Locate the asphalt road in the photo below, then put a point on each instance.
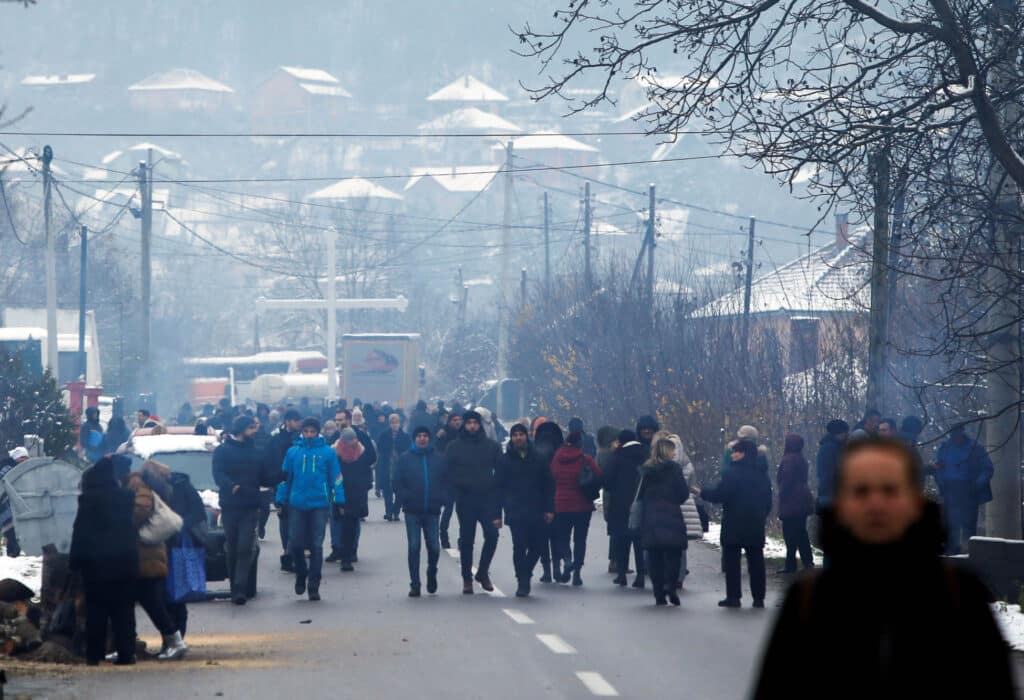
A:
(367, 639)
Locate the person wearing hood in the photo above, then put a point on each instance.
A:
(391, 444)
(239, 471)
(90, 435)
(446, 436)
(420, 481)
(745, 492)
(589, 444)
(745, 432)
(117, 434)
(836, 433)
(280, 442)
(104, 553)
(573, 507)
(420, 417)
(526, 493)
(607, 441)
(646, 427)
(662, 490)
(472, 461)
(620, 484)
(547, 438)
(963, 471)
(312, 489)
(796, 503)
(889, 606)
(357, 472)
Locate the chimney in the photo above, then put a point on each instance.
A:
(842, 230)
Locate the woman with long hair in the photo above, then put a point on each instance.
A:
(661, 492)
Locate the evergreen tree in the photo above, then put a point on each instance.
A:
(33, 404)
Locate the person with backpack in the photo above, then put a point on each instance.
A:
(311, 490)
(575, 493)
(420, 481)
(889, 618)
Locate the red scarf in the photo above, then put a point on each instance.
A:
(349, 452)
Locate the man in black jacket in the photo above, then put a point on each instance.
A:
(446, 436)
(472, 460)
(239, 473)
(278, 446)
(526, 493)
(420, 483)
(889, 606)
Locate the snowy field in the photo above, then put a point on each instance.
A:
(28, 570)
(1012, 623)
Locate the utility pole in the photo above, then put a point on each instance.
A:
(146, 194)
(587, 278)
(332, 313)
(878, 335)
(503, 291)
(83, 275)
(748, 282)
(547, 250)
(650, 245)
(52, 356)
(1001, 334)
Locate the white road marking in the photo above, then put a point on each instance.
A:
(596, 684)
(556, 644)
(518, 617)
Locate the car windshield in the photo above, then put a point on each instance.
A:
(198, 466)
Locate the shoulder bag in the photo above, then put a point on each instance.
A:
(162, 525)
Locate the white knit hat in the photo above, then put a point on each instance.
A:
(748, 432)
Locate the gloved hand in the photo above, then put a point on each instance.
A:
(339, 510)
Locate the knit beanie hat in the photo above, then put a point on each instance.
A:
(748, 432)
(837, 427)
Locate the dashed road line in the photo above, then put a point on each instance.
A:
(597, 685)
(556, 644)
(518, 617)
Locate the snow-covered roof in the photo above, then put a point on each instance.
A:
(470, 118)
(259, 358)
(603, 228)
(317, 81)
(180, 79)
(832, 279)
(463, 178)
(143, 147)
(354, 188)
(325, 90)
(547, 141)
(61, 79)
(467, 89)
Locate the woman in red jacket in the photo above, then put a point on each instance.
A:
(573, 507)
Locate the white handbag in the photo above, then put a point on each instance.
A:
(162, 525)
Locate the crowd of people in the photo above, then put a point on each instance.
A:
(536, 478)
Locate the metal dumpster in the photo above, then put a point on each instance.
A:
(43, 496)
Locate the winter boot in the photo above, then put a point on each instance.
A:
(286, 564)
(346, 565)
(577, 580)
(523, 589)
(546, 567)
(467, 587)
(334, 556)
(638, 582)
(174, 647)
(431, 582)
(314, 593)
(414, 590)
(300, 585)
(485, 581)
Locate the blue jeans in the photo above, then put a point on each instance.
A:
(307, 528)
(429, 526)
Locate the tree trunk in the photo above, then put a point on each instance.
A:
(878, 331)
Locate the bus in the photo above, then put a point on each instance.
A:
(210, 377)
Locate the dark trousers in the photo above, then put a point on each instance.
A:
(420, 529)
(529, 540)
(113, 602)
(572, 527)
(621, 544)
(307, 528)
(179, 613)
(13, 547)
(663, 566)
(150, 594)
(446, 517)
(348, 544)
(240, 546)
(470, 512)
(282, 528)
(794, 532)
(755, 567)
(961, 512)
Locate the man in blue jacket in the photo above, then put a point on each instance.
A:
(420, 484)
(963, 471)
(312, 488)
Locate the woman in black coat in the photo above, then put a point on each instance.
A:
(620, 485)
(547, 438)
(662, 528)
(104, 551)
(357, 470)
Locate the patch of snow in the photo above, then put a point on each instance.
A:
(27, 570)
(1011, 622)
(211, 499)
(774, 548)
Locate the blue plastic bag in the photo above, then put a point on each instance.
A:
(186, 579)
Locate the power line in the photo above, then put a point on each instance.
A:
(338, 134)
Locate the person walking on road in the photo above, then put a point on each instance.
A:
(607, 438)
(796, 503)
(280, 442)
(472, 460)
(239, 471)
(526, 491)
(963, 471)
(694, 529)
(392, 443)
(547, 438)
(311, 490)
(889, 606)
(662, 492)
(745, 493)
(420, 481)
(446, 436)
(357, 472)
(573, 506)
(620, 490)
(104, 552)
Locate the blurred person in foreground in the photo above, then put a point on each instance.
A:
(890, 618)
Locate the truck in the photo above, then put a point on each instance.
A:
(381, 367)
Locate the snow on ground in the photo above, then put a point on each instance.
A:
(774, 547)
(28, 570)
(211, 499)
(1011, 621)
